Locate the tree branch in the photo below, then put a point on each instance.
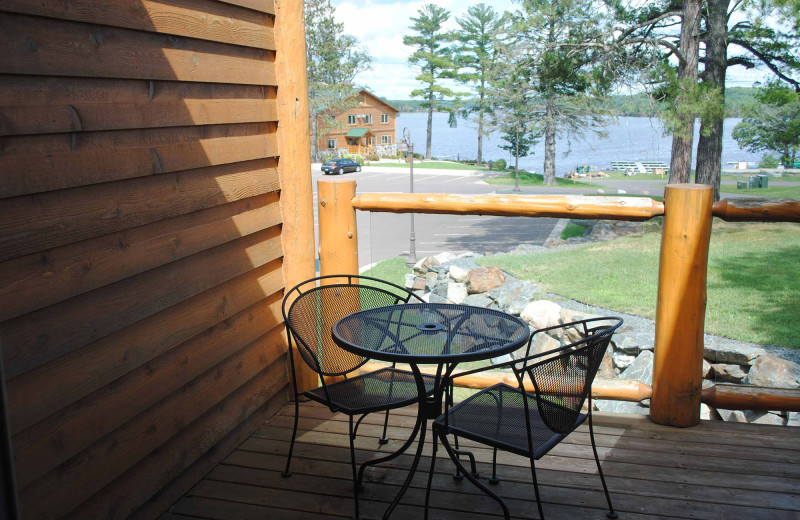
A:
(768, 62)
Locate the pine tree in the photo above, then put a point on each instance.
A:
(434, 57)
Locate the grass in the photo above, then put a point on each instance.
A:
(535, 179)
(781, 192)
(753, 280)
(439, 165)
(573, 230)
(392, 270)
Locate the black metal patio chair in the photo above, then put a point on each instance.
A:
(531, 423)
(310, 309)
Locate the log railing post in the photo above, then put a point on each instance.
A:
(338, 236)
(681, 305)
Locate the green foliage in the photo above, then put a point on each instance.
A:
(357, 158)
(772, 123)
(499, 164)
(769, 161)
(689, 99)
(573, 230)
(373, 157)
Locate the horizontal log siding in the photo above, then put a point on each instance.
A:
(140, 246)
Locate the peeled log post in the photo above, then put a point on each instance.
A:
(758, 210)
(681, 305)
(556, 206)
(615, 389)
(294, 167)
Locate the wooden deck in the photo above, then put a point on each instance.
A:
(713, 471)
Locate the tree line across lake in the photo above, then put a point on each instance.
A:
(635, 105)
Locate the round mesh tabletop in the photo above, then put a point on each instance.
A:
(430, 333)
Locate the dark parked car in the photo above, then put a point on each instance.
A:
(339, 166)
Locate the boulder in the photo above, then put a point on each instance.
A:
(732, 415)
(761, 417)
(641, 369)
(626, 344)
(606, 370)
(541, 314)
(456, 292)
(445, 257)
(514, 295)
(603, 405)
(424, 265)
(541, 343)
(793, 419)
(477, 300)
(440, 289)
(706, 368)
(774, 372)
(622, 360)
(527, 249)
(484, 279)
(732, 353)
(458, 274)
(435, 298)
(414, 282)
(727, 373)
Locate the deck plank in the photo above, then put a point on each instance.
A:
(716, 470)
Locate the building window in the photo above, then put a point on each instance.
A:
(351, 120)
(384, 118)
(386, 139)
(367, 119)
(331, 144)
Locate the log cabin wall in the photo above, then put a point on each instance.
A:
(141, 259)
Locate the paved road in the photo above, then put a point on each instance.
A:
(386, 235)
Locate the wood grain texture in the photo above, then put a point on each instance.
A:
(80, 425)
(36, 394)
(73, 483)
(43, 105)
(203, 19)
(264, 6)
(48, 47)
(34, 164)
(42, 222)
(34, 281)
(758, 210)
(44, 335)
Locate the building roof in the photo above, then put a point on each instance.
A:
(367, 92)
(359, 132)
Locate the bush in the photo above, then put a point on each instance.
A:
(373, 157)
(769, 161)
(417, 156)
(356, 158)
(499, 164)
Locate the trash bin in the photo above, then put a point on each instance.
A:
(741, 185)
(763, 181)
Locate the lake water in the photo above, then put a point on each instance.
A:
(628, 139)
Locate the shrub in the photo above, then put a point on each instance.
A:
(769, 161)
(357, 158)
(373, 157)
(499, 164)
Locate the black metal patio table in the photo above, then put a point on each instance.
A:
(427, 334)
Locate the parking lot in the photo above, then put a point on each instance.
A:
(386, 235)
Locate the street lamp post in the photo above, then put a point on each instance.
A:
(412, 248)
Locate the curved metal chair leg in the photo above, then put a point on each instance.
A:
(410, 476)
(474, 480)
(611, 513)
(286, 472)
(536, 489)
(356, 484)
(391, 456)
(430, 474)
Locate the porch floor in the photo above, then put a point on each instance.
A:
(715, 470)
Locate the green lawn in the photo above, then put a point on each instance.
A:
(534, 179)
(778, 192)
(753, 279)
(439, 165)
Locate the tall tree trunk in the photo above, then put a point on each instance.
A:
(481, 110)
(709, 148)
(549, 173)
(681, 160)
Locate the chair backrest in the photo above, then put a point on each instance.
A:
(562, 377)
(311, 308)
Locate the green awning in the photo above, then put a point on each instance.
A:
(358, 132)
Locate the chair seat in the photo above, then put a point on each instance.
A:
(496, 417)
(383, 389)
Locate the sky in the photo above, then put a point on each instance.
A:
(381, 24)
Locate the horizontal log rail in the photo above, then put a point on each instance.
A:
(602, 388)
(757, 210)
(736, 397)
(553, 206)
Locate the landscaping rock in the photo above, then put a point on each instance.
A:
(761, 417)
(484, 279)
(541, 343)
(424, 265)
(706, 369)
(736, 354)
(606, 370)
(527, 249)
(514, 295)
(621, 360)
(774, 372)
(541, 314)
(478, 300)
(445, 257)
(458, 274)
(793, 419)
(641, 369)
(626, 344)
(456, 292)
(603, 405)
(732, 415)
(435, 298)
(727, 373)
